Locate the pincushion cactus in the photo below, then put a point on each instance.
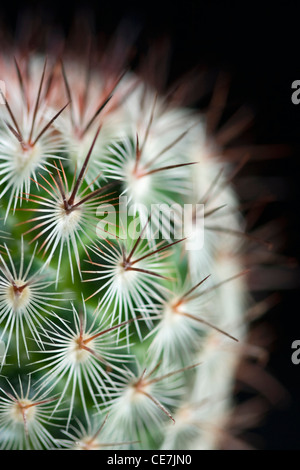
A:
(123, 296)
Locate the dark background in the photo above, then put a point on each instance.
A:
(259, 45)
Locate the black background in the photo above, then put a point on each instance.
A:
(259, 45)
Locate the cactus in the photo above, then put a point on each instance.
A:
(121, 324)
